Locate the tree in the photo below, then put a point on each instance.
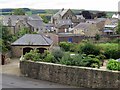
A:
(5, 39)
(118, 28)
(19, 11)
(45, 20)
(101, 15)
(23, 31)
(86, 14)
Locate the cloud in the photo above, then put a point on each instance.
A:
(110, 5)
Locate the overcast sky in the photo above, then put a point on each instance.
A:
(103, 5)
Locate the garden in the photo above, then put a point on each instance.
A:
(85, 54)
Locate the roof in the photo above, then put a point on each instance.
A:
(33, 39)
(60, 13)
(36, 23)
(15, 18)
(34, 17)
(95, 20)
(108, 31)
(83, 26)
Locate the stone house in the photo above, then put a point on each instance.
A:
(86, 29)
(63, 26)
(100, 22)
(65, 19)
(64, 14)
(16, 22)
(29, 42)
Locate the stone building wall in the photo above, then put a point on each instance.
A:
(17, 51)
(71, 75)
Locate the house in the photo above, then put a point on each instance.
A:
(64, 19)
(116, 16)
(16, 22)
(29, 42)
(100, 22)
(63, 26)
(64, 14)
(86, 29)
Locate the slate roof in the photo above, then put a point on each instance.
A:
(15, 18)
(36, 23)
(33, 39)
(60, 13)
(95, 21)
(82, 25)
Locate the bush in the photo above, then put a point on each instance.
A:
(33, 55)
(110, 50)
(97, 37)
(65, 46)
(80, 60)
(113, 65)
(57, 53)
(89, 48)
(90, 62)
(49, 58)
(66, 59)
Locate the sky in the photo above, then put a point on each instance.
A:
(102, 5)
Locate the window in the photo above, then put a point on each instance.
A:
(69, 39)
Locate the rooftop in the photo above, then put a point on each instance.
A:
(33, 39)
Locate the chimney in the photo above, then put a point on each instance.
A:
(62, 9)
(9, 22)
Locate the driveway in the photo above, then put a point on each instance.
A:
(11, 68)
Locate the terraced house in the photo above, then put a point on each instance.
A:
(16, 22)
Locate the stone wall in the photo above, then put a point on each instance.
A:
(71, 75)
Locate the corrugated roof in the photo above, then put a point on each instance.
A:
(33, 39)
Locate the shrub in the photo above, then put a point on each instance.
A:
(66, 59)
(97, 37)
(73, 47)
(65, 45)
(88, 62)
(79, 60)
(57, 53)
(49, 58)
(33, 55)
(110, 50)
(89, 48)
(92, 56)
(113, 65)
